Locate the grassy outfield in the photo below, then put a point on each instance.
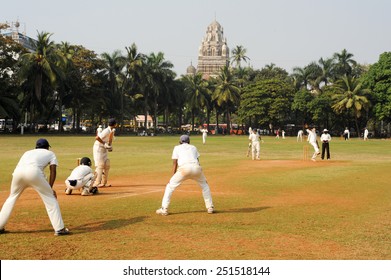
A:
(281, 207)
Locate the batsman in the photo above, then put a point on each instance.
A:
(103, 145)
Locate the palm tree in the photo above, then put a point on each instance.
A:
(350, 96)
(115, 63)
(158, 72)
(197, 91)
(67, 52)
(239, 54)
(344, 63)
(301, 77)
(327, 67)
(134, 73)
(37, 67)
(227, 94)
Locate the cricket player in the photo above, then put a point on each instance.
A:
(313, 141)
(254, 140)
(82, 178)
(325, 138)
(29, 172)
(366, 132)
(103, 145)
(204, 135)
(186, 166)
(300, 135)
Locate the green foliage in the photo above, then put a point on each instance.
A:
(378, 79)
(267, 101)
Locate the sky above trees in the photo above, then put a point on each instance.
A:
(284, 32)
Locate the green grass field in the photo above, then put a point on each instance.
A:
(281, 207)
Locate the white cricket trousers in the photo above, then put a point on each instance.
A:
(87, 181)
(256, 150)
(316, 149)
(102, 165)
(24, 177)
(188, 171)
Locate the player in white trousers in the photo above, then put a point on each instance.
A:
(81, 178)
(366, 132)
(29, 172)
(101, 160)
(186, 166)
(204, 135)
(314, 142)
(254, 139)
(300, 135)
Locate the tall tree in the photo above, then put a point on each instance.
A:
(239, 55)
(378, 79)
(9, 87)
(63, 84)
(349, 95)
(344, 63)
(38, 67)
(158, 73)
(115, 63)
(134, 65)
(196, 89)
(227, 94)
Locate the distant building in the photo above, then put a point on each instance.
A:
(213, 53)
(140, 121)
(13, 32)
(191, 70)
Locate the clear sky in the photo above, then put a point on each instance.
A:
(288, 33)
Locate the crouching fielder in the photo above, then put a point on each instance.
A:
(186, 166)
(101, 148)
(82, 178)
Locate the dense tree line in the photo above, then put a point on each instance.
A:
(58, 79)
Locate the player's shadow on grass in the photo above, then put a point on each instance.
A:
(107, 225)
(239, 210)
(246, 210)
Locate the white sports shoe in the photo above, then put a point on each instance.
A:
(86, 192)
(162, 211)
(211, 210)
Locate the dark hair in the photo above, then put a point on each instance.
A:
(85, 161)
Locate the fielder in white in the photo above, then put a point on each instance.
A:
(314, 142)
(186, 166)
(366, 132)
(99, 129)
(101, 160)
(82, 178)
(29, 172)
(300, 135)
(204, 135)
(254, 139)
